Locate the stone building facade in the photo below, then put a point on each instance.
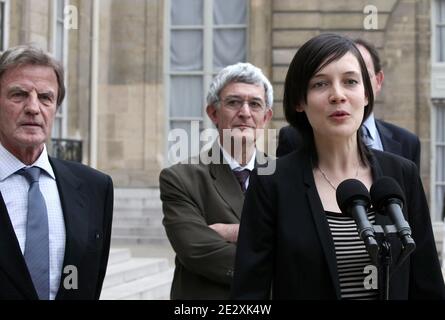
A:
(116, 57)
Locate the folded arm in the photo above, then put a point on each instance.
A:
(200, 248)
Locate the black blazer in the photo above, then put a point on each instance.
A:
(394, 139)
(87, 203)
(285, 244)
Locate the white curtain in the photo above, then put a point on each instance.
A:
(186, 12)
(186, 96)
(186, 50)
(229, 12)
(440, 31)
(229, 46)
(440, 160)
(2, 30)
(186, 55)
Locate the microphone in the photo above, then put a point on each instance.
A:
(354, 201)
(388, 199)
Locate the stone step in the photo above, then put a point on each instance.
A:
(140, 212)
(142, 231)
(138, 240)
(124, 203)
(138, 221)
(154, 287)
(118, 255)
(137, 193)
(133, 269)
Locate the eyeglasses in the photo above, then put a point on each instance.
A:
(235, 104)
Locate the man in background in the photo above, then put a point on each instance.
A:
(202, 202)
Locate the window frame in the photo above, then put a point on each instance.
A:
(5, 27)
(437, 101)
(208, 72)
(436, 211)
(62, 112)
(434, 25)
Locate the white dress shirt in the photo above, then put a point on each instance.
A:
(235, 166)
(372, 129)
(14, 188)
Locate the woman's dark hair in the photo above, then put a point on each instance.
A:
(313, 56)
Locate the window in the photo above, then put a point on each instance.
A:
(438, 114)
(4, 24)
(440, 30)
(203, 37)
(439, 188)
(60, 44)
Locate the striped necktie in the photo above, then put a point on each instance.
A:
(37, 235)
(366, 136)
(242, 176)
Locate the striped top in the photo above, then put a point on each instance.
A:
(352, 257)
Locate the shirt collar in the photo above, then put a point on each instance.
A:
(10, 164)
(234, 165)
(370, 125)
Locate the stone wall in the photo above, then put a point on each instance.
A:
(131, 109)
(30, 23)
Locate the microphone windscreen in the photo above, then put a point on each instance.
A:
(383, 189)
(350, 190)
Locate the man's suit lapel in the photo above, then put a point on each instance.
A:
(377, 172)
(322, 226)
(224, 180)
(386, 136)
(228, 188)
(12, 261)
(75, 212)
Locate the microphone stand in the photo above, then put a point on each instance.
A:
(384, 260)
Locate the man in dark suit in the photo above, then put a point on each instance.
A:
(378, 134)
(203, 198)
(55, 216)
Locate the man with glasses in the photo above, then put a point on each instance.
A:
(202, 202)
(377, 134)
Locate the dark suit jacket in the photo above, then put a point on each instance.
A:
(193, 197)
(87, 203)
(285, 241)
(394, 139)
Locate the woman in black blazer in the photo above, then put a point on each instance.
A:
(294, 242)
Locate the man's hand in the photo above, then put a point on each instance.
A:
(228, 231)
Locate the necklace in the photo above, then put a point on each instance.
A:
(329, 181)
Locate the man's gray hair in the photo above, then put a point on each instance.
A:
(30, 55)
(240, 72)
